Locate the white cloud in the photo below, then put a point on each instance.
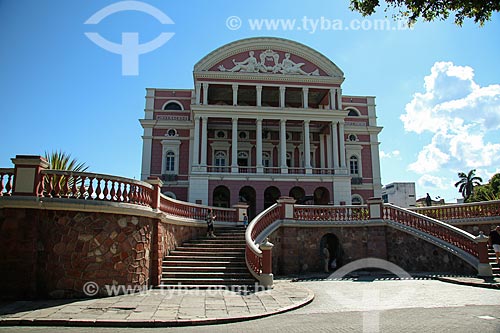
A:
(460, 114)
(392, 154)
(429, 181)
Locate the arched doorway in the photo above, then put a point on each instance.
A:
(321, 196)
(297, 193)
(271, 194)
(221, 197)
(247, 195)
(335, 251)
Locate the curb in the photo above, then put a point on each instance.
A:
(469, 283)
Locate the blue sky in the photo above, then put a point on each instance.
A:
(437, 85)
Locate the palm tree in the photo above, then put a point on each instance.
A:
(467, 182)
(59, 160)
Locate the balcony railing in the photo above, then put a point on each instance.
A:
(271, 170)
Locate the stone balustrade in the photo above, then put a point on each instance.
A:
(6, 181)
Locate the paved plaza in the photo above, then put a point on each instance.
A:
(368, 304)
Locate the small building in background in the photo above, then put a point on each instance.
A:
(399, 194)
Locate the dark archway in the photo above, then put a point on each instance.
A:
(221, 197)
(297, 193)
(321, 196)
(271, 194)
(332, 243)
(247, 195)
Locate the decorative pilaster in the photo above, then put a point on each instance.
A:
(196, 142)
(342, 145)
(284, 167)
(332, 99)
(197, 88)
(234, 146)
(205, 93)
(235, 94)
(339, 99)
(258, 147)
(282, 96)
(307, 148)
(305, 97)
(259, 95)
(335, 145)
(204, 140)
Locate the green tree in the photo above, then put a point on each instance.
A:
(429, 10)
(487, 192)
(467, 183)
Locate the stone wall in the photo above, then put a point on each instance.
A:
(297, 250)
(54, 253)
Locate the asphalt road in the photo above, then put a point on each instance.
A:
(360, 306)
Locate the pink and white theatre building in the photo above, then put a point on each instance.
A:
(267, 118)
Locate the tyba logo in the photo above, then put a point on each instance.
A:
(129, 49)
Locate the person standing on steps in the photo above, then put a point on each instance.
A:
(495, 242)
(210, 223)
(245, 220)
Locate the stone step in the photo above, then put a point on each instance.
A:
(215, 242)
(202, 263)
(214, 245)
(218, 249)
(232, 287)
(214, 268)
(206, 281)
(208, 253)
(206, 275)
(205, 258)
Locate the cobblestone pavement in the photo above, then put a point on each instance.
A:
(377, 305)
(167, 307)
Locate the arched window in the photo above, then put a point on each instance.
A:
(266, 159)
(353, 112)
(354, 165)
(356, 199)
(170, 162)
(220, 158)
(173, 106)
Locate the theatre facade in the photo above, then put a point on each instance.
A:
(267, 118)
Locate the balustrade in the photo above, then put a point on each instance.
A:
(330, 213)
(6, 181)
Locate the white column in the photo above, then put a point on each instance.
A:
(282, 96)
(335, 145)
(196, 142)
(204, 140)
(322, 151)
(259, 95)
(234, 146)
(235, 94)
(339, 99)
(197, 93)
(307, 148)
(205, 93)
(332, 99)
(284, 167)
(329, 152)
(342, 145)
(305, 97)
(258, 147)
(147, 144)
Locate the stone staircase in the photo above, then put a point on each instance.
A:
(495, 267)
(208, 262)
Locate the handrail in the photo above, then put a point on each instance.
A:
(461, 211)
(253, 255)
(195, 211)
(6, 185)
(330, 213)
(94, 186)
(448, 233)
